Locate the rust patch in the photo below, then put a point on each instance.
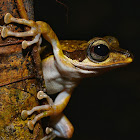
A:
(75, 49)
(13, 66)
(79, 55)
(18, 81)
(73, 45)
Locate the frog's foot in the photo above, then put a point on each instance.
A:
(60, 123)
(48, 110)
(34, 31)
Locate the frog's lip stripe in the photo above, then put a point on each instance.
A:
(99, 67)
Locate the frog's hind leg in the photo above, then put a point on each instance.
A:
(50, 136)
(34, 31)
(62, 126)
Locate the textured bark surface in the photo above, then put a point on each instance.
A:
(20, 79)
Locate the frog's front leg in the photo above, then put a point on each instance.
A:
(34, 31)
(62, 126)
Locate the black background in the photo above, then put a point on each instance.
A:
(105, 107)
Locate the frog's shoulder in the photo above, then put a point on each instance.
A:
(73, 45)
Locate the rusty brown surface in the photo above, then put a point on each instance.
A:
(8, 6)
(29, 8)
(14, 64)
(18, 81)
(13, 99)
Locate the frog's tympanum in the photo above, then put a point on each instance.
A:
(71, 61)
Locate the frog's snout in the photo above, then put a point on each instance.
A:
(126, 55)
(129, 55)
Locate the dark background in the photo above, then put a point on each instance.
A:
(105, 107)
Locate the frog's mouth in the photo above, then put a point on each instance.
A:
(113, 61)
(90, 68)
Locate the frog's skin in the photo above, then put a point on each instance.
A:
(71, 61)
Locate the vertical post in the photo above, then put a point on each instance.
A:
(20, 79)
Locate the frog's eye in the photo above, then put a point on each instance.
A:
(98, 52)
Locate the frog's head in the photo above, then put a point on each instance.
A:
(99, 55)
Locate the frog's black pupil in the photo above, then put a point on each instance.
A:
(98, 52)
(101, 50)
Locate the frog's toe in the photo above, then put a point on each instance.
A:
(24, 44)
(7, 18)
(41, 95)
(36, 39)
(30, 125)
(4, 32)
(24, 114)
(49, 130)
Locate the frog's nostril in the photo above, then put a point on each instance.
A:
(131, 56)
(126, 53)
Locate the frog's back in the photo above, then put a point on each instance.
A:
(73, 45)
(74, 49)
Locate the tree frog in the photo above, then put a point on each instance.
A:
(71, 61)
